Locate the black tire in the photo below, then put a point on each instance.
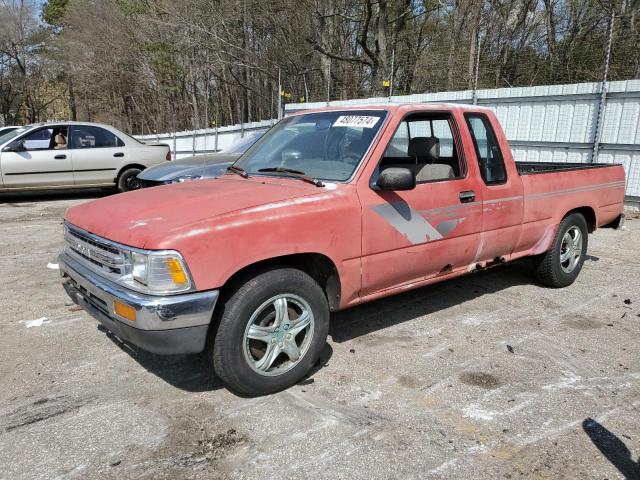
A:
(232, 353)
(549, 267)
(127, 180)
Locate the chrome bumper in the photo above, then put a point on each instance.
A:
(170, 324)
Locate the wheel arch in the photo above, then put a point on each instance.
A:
(127, 166)
(318, 266)
(589, 215)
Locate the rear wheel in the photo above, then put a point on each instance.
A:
(560, 266)
(270, 333)
(128, 180)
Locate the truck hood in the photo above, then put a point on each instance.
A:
(142, 218)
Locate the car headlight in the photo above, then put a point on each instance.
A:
(186, 178)
(157, 272)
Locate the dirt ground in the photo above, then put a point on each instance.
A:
(489, 376)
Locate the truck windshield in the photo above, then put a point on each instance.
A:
(325, 145)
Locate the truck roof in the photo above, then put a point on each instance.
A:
(402, 107)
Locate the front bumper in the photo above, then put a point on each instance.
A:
(173, 324)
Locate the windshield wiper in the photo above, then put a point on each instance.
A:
(295, 173)
(238, 171)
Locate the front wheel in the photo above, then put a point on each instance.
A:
(128, 180)
(271, 332)
(560, 266)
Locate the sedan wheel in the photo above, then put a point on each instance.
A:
(128, 180)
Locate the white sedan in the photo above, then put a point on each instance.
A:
(65, 155)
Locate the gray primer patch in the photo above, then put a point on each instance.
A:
(448, 225)
(408, 222)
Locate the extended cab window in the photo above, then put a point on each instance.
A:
(87, 136)
(425, 145)
(487, 149)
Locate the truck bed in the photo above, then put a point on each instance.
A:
(568, 186)
(530, 168)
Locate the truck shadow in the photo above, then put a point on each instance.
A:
(380, 314)
(612, 448)
(191, 373)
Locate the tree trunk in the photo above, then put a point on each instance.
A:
(550, 23)
(193, 91)
(72, 100)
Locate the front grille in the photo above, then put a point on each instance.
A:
(97, 255)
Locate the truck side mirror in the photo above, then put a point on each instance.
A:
(396, 178)
(15, 146)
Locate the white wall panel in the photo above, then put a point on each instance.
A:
(564, 115)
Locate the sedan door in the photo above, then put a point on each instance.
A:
(41, 160)
(97, 155)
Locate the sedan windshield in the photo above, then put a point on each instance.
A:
(243, 144)
(4, 138)
(326, 145)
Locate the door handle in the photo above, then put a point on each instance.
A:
(60, 157)
(119, 154)
(467, 196)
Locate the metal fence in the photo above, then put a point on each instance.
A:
(208, 140)
(550, 123)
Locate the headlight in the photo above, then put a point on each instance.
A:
(186, 178)
(139, 267)
(157, 272)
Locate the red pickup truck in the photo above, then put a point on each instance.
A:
(331, 208)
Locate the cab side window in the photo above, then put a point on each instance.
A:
(425, 145)
(54, 138)
(87, 136)
(487, 149)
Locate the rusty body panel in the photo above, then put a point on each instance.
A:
(380, 242)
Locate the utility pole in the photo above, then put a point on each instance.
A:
(393, 61)
(474, 95)
(603, 94)
(329, 84)
(175, 145)
(215, 141)
(279, 96)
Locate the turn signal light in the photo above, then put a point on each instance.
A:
(125, 311)
(178, 275)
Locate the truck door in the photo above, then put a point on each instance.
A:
(501, 186)
(410, 236)
(43, 160)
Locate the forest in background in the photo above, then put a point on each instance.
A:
(154, 66)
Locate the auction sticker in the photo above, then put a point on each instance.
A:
(365, 121)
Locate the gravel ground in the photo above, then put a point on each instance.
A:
(488, 376)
